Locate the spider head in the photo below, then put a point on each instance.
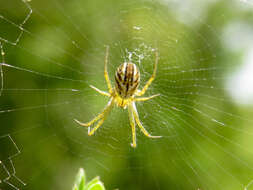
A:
(127, 80)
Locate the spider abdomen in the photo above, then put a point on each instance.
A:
(127, 78)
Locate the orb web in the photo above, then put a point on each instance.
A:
(52, 51)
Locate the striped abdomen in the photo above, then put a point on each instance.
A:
(127, 79)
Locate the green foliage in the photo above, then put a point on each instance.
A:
(80, 182)
(207, 138)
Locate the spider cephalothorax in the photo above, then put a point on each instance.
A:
(127, 79)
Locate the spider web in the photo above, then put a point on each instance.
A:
(53, 50)
(8, 172)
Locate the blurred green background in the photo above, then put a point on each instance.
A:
(204, 111)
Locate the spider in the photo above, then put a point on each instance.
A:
(127, 80)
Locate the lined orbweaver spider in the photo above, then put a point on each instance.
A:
(127, 79)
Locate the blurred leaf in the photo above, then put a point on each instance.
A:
(94, 184)
(80, 180)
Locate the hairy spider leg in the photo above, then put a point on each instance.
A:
(132, 123)
(101, 116)
(107, 79)
(140, 93)
(136, 116)
(100, 91)
(145, 98)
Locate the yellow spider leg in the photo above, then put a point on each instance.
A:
(100, 91)
(91, 122)
(105, 113)
(105, 71)
(101, 115)
(96, 127)
(145, 98)
(140, 93)
(136, 116)
(132, 123)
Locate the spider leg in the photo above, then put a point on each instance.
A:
(89, 123)
(106, 110)
(105, 70)
(140, 93)
(136, 116)
(145, 98)
(105, 113)
(132, 123)
(100, 91)
(96, 127)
